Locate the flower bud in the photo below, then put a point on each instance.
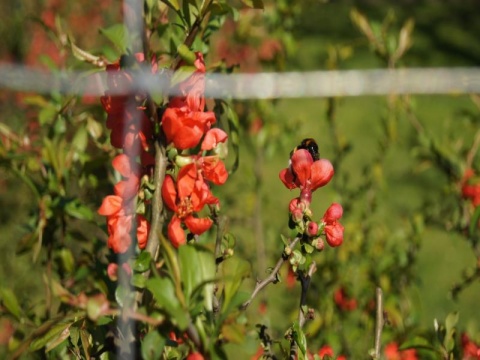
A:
(297, 215)
(319, 244)
(312, 228)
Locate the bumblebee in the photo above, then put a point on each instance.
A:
(311, 146)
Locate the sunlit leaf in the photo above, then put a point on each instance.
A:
(172, 4)
(117, 35)
(256, 4)
(152, 346)
(10, 301)
(55, 336)
(142, 262)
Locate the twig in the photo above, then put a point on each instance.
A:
(305, 283)
(273, 277)
(379, 323)
(473, 150)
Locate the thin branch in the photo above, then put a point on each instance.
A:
(473, 150)
(305, 281)
(379, 323)
(273, 277)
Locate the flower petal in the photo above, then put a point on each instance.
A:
(143, 228)
(122, 164)
(287, 178)
(321, 173)
(333, 213)
(175, 232)
(334, 234)
(213, 137)
(169, 192)
(111, 205)
(198, 225)
(186, 180)
(301, 163)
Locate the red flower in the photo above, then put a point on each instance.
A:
(471, 351)
(120, 208)
(195, 356)
(188, 196)
(192, 89)
(328, 351)
(184, 121)
(306, 174)
(185, 128)
(393, 353)
(470, 191)
(343, 302)
(112, 270)
(130, 127)
(333, 229)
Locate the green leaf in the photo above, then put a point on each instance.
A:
(189, 264)
(308, 248)
(77, 210)
(182, 74)
(474, 221)
(142, 263)
(163, 292)
(300, 339)
(234, 135)
(417, 342)
(173, 4)
(186, 54)
(116, 34)
(80, 140)
(10, 302)
(138, 280)
(234, 271)
(256, 4)
(152, 346)
(54, 337)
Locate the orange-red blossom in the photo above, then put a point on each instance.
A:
(186, 197)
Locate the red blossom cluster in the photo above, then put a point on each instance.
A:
(392, 352)
(185, 123)
(131, 131)
(342, 300)
(309, 174)
(328, 351)
(471, 350)
(120, 208)
(471, 191)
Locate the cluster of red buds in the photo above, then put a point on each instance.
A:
(471, 187)
(308, 172)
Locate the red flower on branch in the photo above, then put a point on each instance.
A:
(120, 208)
(306, 174)
(471, 351)
(343, 301)
(393, 353)
(185, 121)
(471, 191)
(131, 129)
(333, 229)
(186, 197)
(327, 350)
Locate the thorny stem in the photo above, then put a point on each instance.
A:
(379, 323)
(273, 277)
